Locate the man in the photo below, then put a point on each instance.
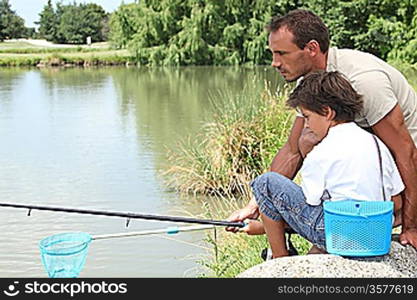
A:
(299, 42)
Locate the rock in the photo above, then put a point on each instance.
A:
(401, 262)
(55, 62)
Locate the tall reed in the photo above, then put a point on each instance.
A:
(236, 146)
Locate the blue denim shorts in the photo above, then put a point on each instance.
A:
(279, 198)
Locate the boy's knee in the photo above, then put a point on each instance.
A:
(278, 189)
(264, 188)
(262, 182)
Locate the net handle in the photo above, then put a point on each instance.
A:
(169, 230)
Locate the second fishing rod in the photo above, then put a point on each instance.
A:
(128, 215)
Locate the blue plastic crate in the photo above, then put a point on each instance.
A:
(358, 228)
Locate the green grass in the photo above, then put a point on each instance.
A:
(25, 54)
(233, 253)
(115, 57)
(35, 50)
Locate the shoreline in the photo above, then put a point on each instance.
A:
(26, 53)
(60, 60)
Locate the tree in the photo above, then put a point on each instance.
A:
(196, 32)
(70, 24)
(229, 32)
(73, 23)
(11, 25)
(48, 22)
(95, 22)
(77, 22)
(122, 25)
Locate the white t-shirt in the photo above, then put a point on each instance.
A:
(346, 164)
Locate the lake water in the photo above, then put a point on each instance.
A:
(98, 139)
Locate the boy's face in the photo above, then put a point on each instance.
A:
(317, 123)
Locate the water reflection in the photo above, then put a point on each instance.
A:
(172, 103)
(8, 82)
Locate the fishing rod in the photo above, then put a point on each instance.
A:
(127, 215)
(169, 231)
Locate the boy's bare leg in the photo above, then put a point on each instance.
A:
(316, 250)
(276, 236)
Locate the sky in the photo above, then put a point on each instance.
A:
(29, 9)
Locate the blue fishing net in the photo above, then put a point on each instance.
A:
(63, 255)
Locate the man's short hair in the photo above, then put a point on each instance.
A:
(305, 26)
(321, 89)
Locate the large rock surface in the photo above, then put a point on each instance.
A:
(401, 262)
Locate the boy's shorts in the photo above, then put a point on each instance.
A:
(279, 198)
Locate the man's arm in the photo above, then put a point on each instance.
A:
(288, 160)
(392, 131)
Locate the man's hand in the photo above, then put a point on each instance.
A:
(250, 211)
(409, 236)
(307, 141)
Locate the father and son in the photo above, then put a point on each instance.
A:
(354, 137)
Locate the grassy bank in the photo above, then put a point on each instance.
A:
(24, 54)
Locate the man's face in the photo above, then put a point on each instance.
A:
(317, 123)
(291, 61)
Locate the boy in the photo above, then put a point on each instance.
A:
(344, 164)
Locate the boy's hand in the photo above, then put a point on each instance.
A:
(253, 227)
(250, 211)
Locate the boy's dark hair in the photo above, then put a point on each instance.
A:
(304, 25)
(322, 89)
